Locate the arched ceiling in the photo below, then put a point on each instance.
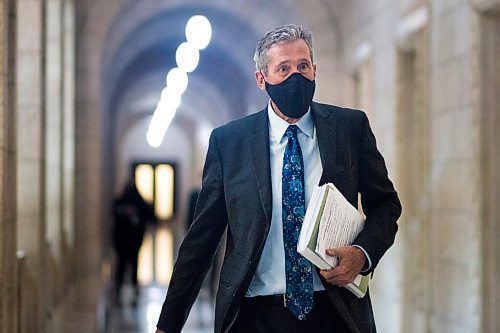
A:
(149, 49)
(128, 46)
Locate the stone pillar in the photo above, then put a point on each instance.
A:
(88, 195)
(485, 101)
(455, 215)
(68, 136)
(52, 211)
(30, 164)
(53, 131)
(412, 126)
(8, 267)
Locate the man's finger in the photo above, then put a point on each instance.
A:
(333, 273)
(337, 252)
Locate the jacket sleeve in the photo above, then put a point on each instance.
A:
(199, 245)
(379, 199)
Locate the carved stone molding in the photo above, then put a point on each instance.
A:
(486, 6)
(409, 26)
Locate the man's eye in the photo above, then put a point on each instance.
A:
(304, 66)
(282, 69)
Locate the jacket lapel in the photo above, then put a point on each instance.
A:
(326, 129)
(259, 140)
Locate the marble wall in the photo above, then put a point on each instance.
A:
(433, 279)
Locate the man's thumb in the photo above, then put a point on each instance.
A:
(332, 252)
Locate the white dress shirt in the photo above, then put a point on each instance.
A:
(269, 278)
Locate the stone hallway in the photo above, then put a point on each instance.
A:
(143, 317)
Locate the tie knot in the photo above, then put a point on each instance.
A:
(291, 131)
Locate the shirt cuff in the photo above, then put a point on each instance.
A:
(368, 263)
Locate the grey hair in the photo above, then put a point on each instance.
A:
(281, 34)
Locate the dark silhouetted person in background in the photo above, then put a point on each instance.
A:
(131, 216)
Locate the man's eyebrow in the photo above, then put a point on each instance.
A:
(305, 59)
(283, 62)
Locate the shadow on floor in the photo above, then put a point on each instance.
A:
(125, 317)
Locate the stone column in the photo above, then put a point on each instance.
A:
(413, 172)
(53, 90)
(30, 164)
(88, 195)
(485, 101)
(455, 222)
(68, 138)
(8, 267)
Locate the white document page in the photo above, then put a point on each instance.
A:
(340, 225)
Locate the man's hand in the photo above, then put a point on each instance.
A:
(351, 261)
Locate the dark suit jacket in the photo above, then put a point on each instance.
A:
(236, 195)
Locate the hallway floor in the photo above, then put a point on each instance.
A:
(142, 318)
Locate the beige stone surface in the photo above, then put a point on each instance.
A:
(30, 11)
(29, 132)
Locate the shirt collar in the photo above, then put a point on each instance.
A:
(278, 126)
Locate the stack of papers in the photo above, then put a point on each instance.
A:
(330, 222)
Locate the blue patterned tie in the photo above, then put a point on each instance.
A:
(299, 279)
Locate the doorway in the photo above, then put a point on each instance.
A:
(156, 182)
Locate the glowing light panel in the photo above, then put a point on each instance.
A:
(177, 80)
(187, 57)
(198, 35)
(199, 31)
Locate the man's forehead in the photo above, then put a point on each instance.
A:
(284, 51)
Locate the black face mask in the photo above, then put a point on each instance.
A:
(292, 96)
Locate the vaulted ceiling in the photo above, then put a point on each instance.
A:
(127, 47)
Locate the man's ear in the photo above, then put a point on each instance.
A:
(314, 67)
(259, 78)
